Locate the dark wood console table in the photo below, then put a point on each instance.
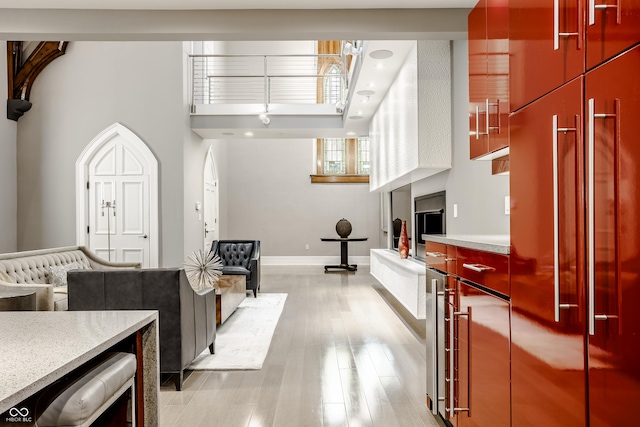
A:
(344, 252)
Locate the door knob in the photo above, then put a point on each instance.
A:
(144, 236)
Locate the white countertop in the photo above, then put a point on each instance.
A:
(497, 243)
(38, 347)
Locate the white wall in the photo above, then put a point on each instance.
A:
(271, 198)
(469, 184)
(8, 176)
(92, 86)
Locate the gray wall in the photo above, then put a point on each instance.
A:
(95, 84)
(271, 198)
(8, 185)
(478, 194)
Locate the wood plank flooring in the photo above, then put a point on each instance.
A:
(340, 356)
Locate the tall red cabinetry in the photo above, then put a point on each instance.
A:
(575, 159)
(555, 41)
(488, 78)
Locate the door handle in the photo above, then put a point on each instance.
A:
(556, 25)
(144, 236)
(557, 305)
(593, 6)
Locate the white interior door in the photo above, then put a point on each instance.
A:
(119, 204)
(211, 220)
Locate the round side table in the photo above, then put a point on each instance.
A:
(17, 300)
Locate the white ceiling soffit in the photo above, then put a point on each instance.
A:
(237, 4)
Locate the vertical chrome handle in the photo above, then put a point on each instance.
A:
(556, 26)
(486, 113)
(486, 116)
(556, 229)
(477, 122)
(452, 381)
(593, 6)
(557, 305)
(591, 279)
(497, 105)
(591, 275)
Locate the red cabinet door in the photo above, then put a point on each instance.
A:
(498, 73)
(541, 58)
(547, 252)
(611, 29)
(478, 101)
(612, 94)
(483, 359)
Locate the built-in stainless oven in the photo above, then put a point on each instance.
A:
(429, 219)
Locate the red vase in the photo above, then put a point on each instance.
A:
(403, 245)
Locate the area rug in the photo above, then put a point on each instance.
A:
(243, 340)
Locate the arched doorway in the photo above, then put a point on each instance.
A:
(211, 201)
(117, 198)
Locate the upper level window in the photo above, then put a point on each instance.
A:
(342, 160)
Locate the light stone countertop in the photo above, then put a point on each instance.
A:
(38, 347)
(496, 243)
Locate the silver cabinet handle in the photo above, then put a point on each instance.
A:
(478, 267)
(435, 254)
(593, 6)
(591, 271)
(449, 259)
(452, 408)
(557, 305)
(556, 26)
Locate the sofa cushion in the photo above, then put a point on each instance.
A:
(58, 273)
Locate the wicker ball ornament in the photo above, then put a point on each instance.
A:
(343, 228)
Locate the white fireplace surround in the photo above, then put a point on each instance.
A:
(405, 279)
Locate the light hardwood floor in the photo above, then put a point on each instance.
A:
(340, 356)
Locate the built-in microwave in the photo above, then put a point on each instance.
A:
(429, 219)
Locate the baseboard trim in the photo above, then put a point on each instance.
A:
(311, 260)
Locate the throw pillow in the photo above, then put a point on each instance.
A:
(58, 273)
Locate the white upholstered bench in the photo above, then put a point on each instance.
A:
(84, 396)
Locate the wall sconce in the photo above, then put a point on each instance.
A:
(340, 107)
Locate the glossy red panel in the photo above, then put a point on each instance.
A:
(484, 268)
(610, 33)
(477, 22)
(614, 348)
(483, 359)
(548, 383)
(535, 67)
(498, 73)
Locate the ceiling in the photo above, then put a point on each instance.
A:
(237, 4)
(386, 26)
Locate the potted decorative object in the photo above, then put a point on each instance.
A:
(343, 228)
(403, 246)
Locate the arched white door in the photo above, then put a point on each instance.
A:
(211, 211)
(119, 198)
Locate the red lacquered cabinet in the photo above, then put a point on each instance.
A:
(612, 27)
(478, 353)
(547, 268)
(612, 97)
(488, 25)
(575, 255)
(541, 58)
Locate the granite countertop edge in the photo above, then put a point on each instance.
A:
(495, 243)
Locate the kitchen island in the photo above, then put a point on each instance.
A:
(40, 347)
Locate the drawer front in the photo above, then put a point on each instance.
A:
(484, 268)
(436, 255)
(441, 256)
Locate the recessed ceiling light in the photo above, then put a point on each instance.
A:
(381, 54)
(355, 117)
(228, 133)
(364, 100)
(351, 133)
(371, 84)
(359, 113)
(365, 92)
(248, 134)
(379, 66)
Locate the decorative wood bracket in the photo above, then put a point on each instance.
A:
(22, 75)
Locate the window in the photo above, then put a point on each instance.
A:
(342, 160)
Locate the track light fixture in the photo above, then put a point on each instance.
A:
(352, 49)
(265, 119)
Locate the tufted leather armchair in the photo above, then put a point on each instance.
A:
(242, 258)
